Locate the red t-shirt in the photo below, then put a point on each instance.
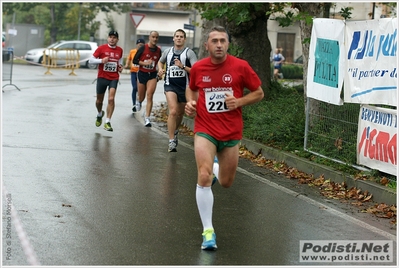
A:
(149, 53)
(108, 70)
(212, 82)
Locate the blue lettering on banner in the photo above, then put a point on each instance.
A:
(378, 117)
(387, 45)
(366, 44)
(326, 62)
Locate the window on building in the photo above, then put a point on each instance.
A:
(286, 42)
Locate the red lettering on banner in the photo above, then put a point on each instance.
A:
(378, 145)
(392, 152)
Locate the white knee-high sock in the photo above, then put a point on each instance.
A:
(216, 169)
(204, 198)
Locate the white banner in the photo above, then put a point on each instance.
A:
(377, 138)
(326, 69)
(371, 52)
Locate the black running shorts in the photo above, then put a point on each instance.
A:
(145, 77)
(103, 83)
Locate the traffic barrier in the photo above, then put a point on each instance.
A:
(7, 66)
(61, 58)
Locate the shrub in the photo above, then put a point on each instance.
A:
(292, 71)
(278, 121)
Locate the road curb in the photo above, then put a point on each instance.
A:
(380, 193)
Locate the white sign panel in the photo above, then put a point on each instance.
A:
(326, 61)
(377, 138)
(12, 31)
(371, 74)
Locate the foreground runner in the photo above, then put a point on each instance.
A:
(215, 97)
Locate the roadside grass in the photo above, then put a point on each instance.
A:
(20, 61)
(279, 122)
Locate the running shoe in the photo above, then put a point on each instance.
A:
(209, 240)
(172, 146)
(138, 106)
(99, 119)
(214, 180)
(215, 162)
(107, 126)
(147, 122)
(134, 109)
(175, 137)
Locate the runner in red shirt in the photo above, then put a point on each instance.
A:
(147, 57)
(215, 97)
(109, 58)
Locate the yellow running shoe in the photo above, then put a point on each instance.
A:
(209, 240)
(107, 127)
(99, 119)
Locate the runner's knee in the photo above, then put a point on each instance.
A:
(204, 177)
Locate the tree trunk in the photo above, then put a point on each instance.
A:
(206, 26)
(53, 31)
(252, 38)
(315, 10)
(258, 54)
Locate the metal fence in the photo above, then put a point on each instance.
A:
(7, 67)
(61, 58)
(331, 131)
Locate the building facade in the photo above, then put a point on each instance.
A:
(23, 37)
(164, 17)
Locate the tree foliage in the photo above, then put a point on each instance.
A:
(345, 12)
(246, 24)
(61, 18)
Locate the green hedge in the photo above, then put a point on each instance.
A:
(292, 71)
(278, 121)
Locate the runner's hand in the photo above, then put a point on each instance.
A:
(231, 102)
(191, 108)
(120, 68)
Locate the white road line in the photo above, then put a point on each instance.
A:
(318, 204)
(23, 238)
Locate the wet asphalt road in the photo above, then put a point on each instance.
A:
(86, 196)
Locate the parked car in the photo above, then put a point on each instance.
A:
(85, 48)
